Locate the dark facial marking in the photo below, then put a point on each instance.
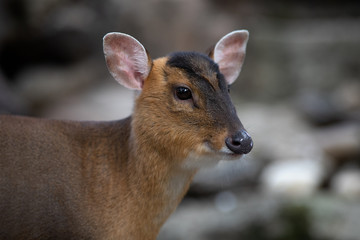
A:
(205, 74)
(195, 65)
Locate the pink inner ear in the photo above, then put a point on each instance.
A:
(229, 54)
(126, 59)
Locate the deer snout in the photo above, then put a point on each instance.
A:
(240, 142)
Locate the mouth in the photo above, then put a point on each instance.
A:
(227, 154)
(223, 154)
(206, 156)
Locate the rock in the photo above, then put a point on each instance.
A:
(295, 163)
(262, 216)
(335, 218)
(278, 132)
(293, 177)
(10, 103)
(346, 183)
(323, 107)
(318, 108)
(225, 175)
(100, 103)
(341, 140)
(201, 219)
(226, 201)
(347, 95)
(43, 86)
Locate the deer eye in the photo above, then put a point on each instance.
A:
(183, 93)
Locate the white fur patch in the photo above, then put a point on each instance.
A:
(208, 157)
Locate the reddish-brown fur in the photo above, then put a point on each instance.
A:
(108, 180)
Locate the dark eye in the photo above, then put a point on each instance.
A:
(228, 88)
(183, 93)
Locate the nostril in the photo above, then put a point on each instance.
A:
(240, 143)
(236, 141)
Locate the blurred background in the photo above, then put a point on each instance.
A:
(298, 95)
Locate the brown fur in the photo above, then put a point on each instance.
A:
(109, 180)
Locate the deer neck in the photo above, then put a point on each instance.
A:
(159, 182)
(148, 183)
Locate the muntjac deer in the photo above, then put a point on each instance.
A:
(122, 179)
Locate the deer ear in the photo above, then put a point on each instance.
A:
(229, 54)
(126, 59)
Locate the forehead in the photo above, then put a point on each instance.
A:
(197, 66)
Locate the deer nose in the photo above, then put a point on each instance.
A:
(240, 142)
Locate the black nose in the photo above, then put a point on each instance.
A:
(240, 143)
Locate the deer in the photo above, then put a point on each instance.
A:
(122, 179)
